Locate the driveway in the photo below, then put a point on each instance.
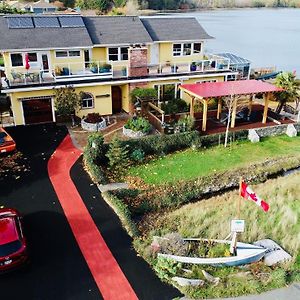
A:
(58, 269)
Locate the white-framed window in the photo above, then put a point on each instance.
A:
(117, 53)
(33, 59)
(207, 80)
(67, 53)
(186, 49)
(16, 60)
(87, 100)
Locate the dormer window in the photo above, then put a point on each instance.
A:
(186, 49)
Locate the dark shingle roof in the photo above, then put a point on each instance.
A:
(39, 38)
(175, 29)
(116, 30)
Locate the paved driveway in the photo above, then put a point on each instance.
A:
(58, 269)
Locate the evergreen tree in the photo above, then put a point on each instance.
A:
(118, 156)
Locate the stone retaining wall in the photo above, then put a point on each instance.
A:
(275, 130)
(93, 126)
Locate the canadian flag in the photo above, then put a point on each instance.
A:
(247, 193)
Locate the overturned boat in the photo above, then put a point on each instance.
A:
(245, 254)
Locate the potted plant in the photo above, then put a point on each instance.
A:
(93, 122)
(193, 66)
(105, 68)
(94, 67)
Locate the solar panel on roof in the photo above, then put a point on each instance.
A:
(71, 22)
(20, 22)
(46, 22)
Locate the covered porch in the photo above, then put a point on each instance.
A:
(236, 104)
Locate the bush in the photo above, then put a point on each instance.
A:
(93, 118)
(118, 156)
(142, 93)
(185, 123)
(164, 144)
(175, 106)
(121, 209)
(138, 124)
(138, 155)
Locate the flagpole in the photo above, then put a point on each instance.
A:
(239, 199)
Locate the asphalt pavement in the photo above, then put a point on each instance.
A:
(57, 270)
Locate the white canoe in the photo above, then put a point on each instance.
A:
(246, 254)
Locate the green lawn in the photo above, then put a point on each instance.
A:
(191, 164)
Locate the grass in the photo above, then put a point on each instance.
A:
(1, 61)
(211, 218)
(190, 164)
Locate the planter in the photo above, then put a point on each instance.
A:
(193, 67)
(93, 126)
(133, 134)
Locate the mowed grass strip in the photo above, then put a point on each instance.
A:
(190, 164)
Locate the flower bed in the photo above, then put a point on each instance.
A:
(136, 127)
(93, 122)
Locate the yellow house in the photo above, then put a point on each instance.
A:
(103, 57)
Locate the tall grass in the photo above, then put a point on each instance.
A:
(211, 218)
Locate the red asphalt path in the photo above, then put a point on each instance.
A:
(107, 274)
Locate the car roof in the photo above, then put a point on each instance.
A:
(8, 230)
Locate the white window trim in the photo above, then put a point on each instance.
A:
(119, 53)
(68, 54)
(87, 99)
(23, 60)
(182, 47)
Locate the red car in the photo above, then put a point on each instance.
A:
(13, 248)
(7, 144)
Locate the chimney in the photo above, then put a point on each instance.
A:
(138, 59)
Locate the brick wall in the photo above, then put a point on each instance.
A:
(137, 62)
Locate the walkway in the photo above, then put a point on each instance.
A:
(106, 272)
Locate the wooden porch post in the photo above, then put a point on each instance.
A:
(233, 113)
(265, 115)
(219, 108)
(251, 99)
(204, 119)
(192, 107)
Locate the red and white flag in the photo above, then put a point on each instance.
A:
(247, 193)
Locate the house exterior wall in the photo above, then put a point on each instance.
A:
(166, 54)
(101, 95)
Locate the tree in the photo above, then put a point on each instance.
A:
(101, 5)
(287, 81)
(67, 102)
(118, 156)
(120, 3)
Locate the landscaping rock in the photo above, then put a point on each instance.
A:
(253, 136)
(275, 254)
(210, 278)
(188, 282)
(291, 130)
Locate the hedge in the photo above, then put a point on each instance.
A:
(122, 211)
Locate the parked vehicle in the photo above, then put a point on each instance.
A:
(7, 144)
(13, 247)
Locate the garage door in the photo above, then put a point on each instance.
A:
(37, 110)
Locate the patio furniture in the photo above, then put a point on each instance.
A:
(16, 76)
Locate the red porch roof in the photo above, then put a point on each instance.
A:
(227, 88)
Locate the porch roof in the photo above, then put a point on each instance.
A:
(227, 88)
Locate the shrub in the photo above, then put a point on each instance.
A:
(167, 268)
(143, 93)
(118, 156)
(185, 123)
(138, 124)
(93, 118)
(175, 106)
(164, 144)
(138, 155)
(121, 209)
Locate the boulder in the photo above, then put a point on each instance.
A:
(291, 131)
(188, 282)
(275, 254)
(253, 136)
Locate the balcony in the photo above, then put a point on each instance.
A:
(97, 70)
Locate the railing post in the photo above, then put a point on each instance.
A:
(202, 66)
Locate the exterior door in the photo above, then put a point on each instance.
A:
(116, 95)
(37, 111)
(44, 62)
